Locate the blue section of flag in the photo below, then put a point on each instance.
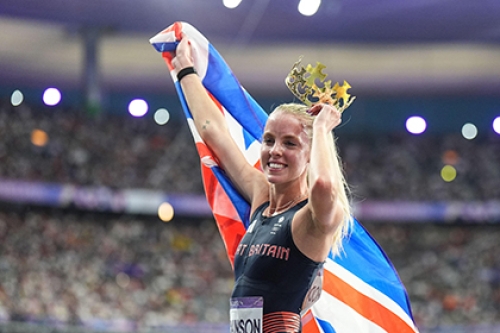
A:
(361, 251)
(241, 205)
(223, 85)
(165, 47)
(248, 139)
(325, 326)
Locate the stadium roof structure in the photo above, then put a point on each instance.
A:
(380, 47)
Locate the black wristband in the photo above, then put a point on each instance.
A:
(185, 71)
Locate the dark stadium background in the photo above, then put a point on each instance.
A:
(102, 260)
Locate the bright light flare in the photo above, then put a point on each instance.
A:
(39, 137)
(496, 125)
(16, 98)
(166, 212)
(469, 131)
(138, 107)
(231, 3)
(162, 116)
(416, 125)
(51, 96)
(309, 7)
(448, 173)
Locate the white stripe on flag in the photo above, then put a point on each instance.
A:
(194, 131)
(252, 154)
(368, 290)
(343, 318)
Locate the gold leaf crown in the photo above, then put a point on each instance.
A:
(302, 83)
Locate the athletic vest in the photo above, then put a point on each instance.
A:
(267, 263)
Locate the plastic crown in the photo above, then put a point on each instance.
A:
(302, 83)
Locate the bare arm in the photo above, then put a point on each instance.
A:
(318, 221)
(325, 171)
(212, 128)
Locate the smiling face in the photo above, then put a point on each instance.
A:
(285, 148)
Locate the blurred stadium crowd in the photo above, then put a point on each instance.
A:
(89, 268)
(134, 273)
(125, 152)
(93, 269)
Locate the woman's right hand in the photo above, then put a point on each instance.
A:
(183, 56)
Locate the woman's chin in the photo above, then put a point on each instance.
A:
(273, 179)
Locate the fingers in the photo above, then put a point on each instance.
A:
(183, 47)
(326, 116)
(182, 56)
(317, 108)
(174, 52)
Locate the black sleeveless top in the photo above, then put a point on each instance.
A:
(267, 263)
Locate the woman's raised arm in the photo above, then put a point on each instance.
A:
(211, 125)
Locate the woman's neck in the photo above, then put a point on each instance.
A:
(278, 206)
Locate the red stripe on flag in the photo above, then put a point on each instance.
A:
(309, 324)
(203, 150)
(231, 230)
(167, 56)
(364, 305)
(176, 28)
(217, 103)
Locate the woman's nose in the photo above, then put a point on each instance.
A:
(276, 149)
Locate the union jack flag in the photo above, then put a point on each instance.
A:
(361, 291)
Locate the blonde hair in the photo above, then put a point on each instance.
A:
(299, 111)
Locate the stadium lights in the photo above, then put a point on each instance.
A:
(39, 137)
(469, 131)
(305, 7)
(138, 107)
(309, 7)
(51, 96)
(16, 98)
(231, 3)
(416, 125)
(448, 173)
(161, 116)
(496, 125)
(166, 212)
